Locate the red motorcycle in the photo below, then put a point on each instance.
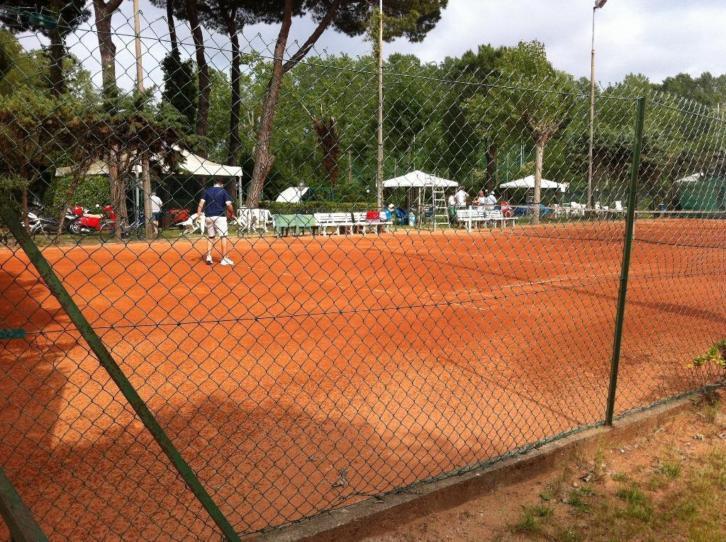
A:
(83, 222)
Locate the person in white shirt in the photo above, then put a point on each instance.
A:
(156, 205)
(452, 208)
(460, 197)
(490, 200)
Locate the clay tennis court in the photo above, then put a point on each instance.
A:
(320, 371)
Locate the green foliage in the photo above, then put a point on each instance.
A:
(706, 89)
(90, 192)
(715, 356)
(539, 104)
(20, 69)
(321, 206)
(180, 87)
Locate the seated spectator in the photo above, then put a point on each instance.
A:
(481, 200)
(491, 200)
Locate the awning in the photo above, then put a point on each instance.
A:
(294, 194)
(419, 179)
(189, 163)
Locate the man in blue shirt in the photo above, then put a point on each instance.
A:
(215, 203)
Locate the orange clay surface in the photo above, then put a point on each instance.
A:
(320, 371)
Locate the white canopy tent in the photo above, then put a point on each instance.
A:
(693, 178)
(528, 182)
(293, 194)
(419, 179)
(189, 163)
(422, 182)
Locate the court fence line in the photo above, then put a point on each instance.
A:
(351, 351)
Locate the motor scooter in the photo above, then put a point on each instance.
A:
(82, 222)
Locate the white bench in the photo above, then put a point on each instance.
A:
(497, 217)
(473, 217)
(338, 221)
(360, 219)
(470, 217)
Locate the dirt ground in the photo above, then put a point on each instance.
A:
(320, 371)
(668, 484)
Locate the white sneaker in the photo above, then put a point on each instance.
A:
(209, 260)
(226, 261)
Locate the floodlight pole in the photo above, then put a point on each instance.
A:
(379, 161)
(146, 177)
(598, 5)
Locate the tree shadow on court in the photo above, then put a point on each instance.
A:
(265, 465)
(31, 381)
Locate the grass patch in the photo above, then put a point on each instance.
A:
(532, 518)
(670, 469)
(620, 477)
(637, 504)
(577, 499)
(568, 534)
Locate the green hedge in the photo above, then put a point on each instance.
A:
(308, 207)
(91, 191)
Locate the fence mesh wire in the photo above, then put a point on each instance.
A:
(355, 347)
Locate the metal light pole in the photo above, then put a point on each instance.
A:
(379, 164)
(598, 5)
(145, 176)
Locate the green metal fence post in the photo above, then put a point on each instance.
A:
(18, 518)
(9, 214)
(625, 267)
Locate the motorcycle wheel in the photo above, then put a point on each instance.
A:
(75, 228)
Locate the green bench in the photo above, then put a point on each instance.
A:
(297, 224)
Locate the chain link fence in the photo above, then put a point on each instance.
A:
(355, 347)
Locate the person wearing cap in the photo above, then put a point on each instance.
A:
(491, 200)
(390, 212)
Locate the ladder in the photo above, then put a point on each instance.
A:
(440, 211)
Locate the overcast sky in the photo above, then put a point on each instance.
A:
(655, 37)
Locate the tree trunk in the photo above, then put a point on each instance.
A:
(202, 70)
(118, 193)
(106, 47)
(56, 53)
(538, 161)
(233, 148)
(263, 157)
(172, 29)
(103, 12)
(491, 166)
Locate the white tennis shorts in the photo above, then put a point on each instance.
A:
(216, 226)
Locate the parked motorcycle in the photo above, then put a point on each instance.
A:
(81, 222)
(39, 225)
